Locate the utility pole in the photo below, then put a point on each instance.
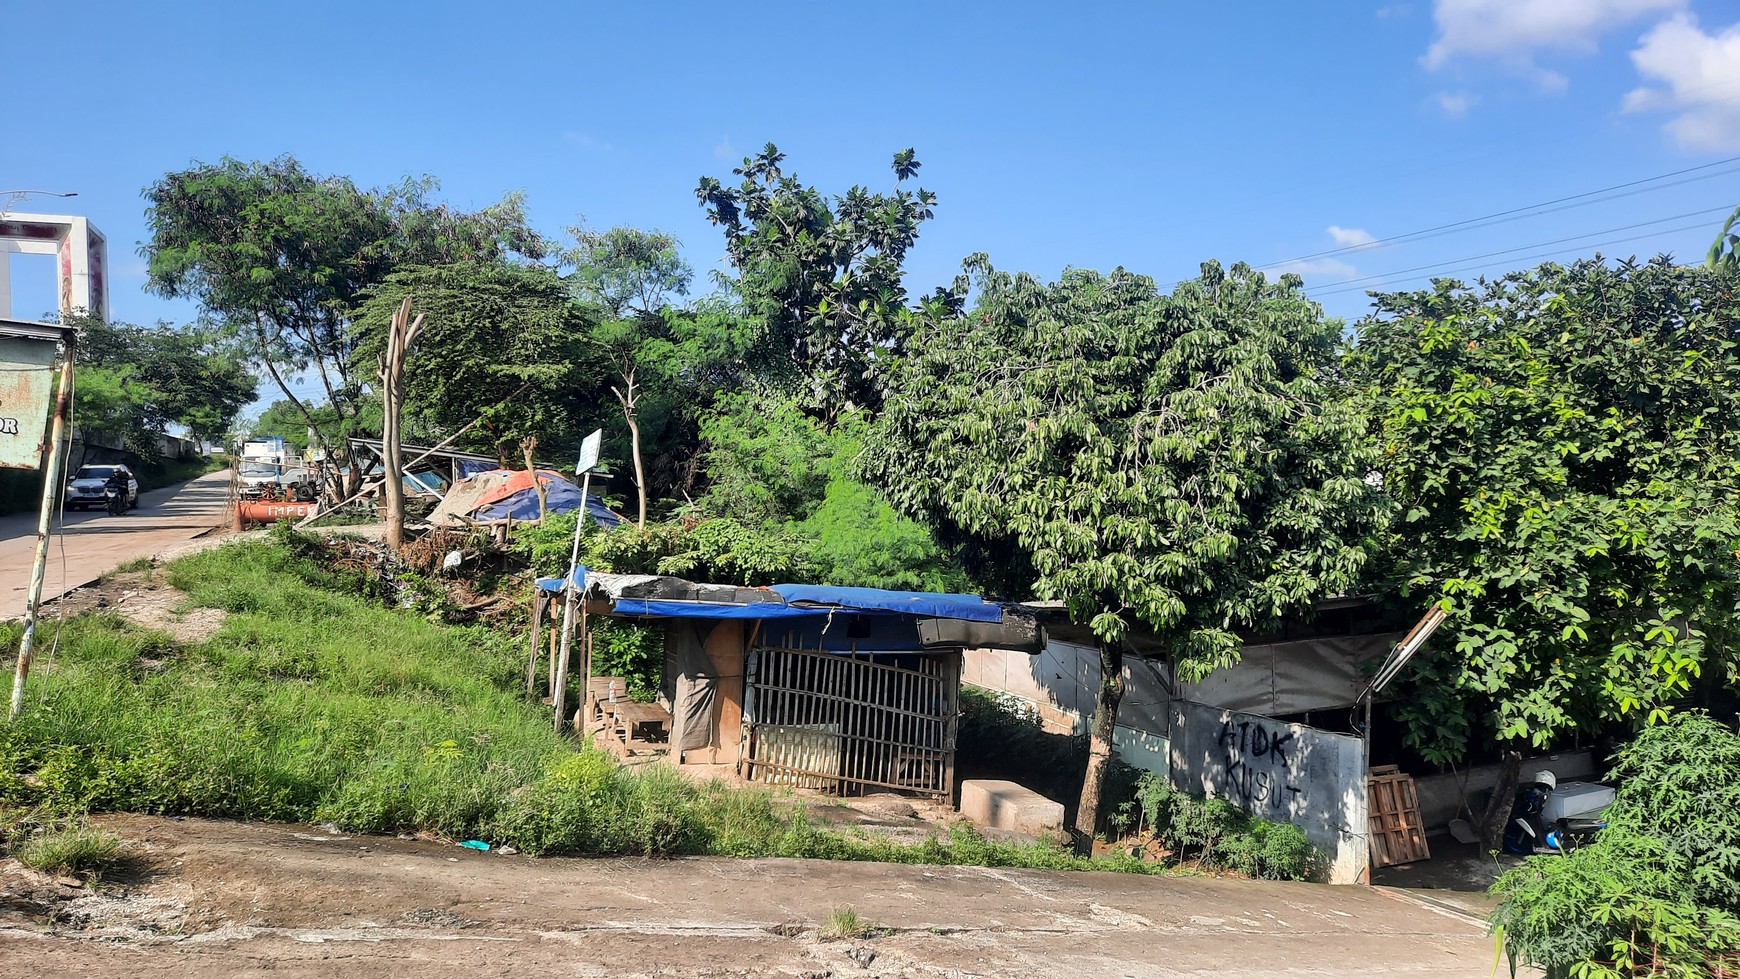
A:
(588, 462)
(51, 489)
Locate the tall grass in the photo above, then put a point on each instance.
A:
(313, 703)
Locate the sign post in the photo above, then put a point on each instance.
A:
(21, 423)
(588, 462)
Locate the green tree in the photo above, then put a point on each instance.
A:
(1564, 448)
(627, 270)
(823, 277)
(280, 256)
(1181, 463)
(500, 340)
(136, 382)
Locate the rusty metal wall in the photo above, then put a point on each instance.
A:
(847, 723)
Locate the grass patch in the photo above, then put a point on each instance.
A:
(75, 851)
(845, 923)
(313, 702)
(138, 564)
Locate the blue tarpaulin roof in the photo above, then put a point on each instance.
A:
(937, 604)
(555, 584)
(717, 610)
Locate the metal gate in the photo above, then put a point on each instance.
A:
(843, 722)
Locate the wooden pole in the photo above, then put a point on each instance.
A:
(402, 333)
(537, 628)
(50, 495)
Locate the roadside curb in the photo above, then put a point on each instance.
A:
(1434, 905)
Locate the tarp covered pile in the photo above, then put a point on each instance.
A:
(500, 494)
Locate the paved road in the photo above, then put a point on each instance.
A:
(94, 542)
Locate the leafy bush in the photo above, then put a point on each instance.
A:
(1658, 892)
(1224, 835)
(631, 650)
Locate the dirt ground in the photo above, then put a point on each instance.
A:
(212, 898)
(144, 597)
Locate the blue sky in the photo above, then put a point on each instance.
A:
(1150, 135)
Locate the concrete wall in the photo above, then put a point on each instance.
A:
(1282, 772)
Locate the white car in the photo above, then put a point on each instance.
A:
(86, 487)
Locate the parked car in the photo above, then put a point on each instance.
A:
(85, 489)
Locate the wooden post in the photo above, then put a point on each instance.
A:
(537, 628)
(51, 489)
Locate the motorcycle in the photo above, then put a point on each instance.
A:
(115, 501)
(1529, 832)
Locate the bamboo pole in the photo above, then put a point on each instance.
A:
(50, 494)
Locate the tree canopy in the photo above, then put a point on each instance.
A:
(280, 256)
(824, 277)
(1564, 447)
(1179, 463)
(137, 381)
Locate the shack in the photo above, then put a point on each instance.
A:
(841, 690)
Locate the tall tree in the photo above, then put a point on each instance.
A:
(1564, 444)
(633, 275)
(280, 256)
(500, 340)
(1181, 463)
(824, 276)
(136, 381)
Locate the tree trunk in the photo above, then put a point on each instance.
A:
(403, 332)
(1100, 744)
(1497, 813)
(529, 447)
(639, 470)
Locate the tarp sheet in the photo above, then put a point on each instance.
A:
(926, 603)
(709, 610)
(555, 584)
(498, 494)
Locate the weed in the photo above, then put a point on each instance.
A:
(844, 922)
(75, 850)
(135, 565)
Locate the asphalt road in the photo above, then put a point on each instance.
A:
(91, 542)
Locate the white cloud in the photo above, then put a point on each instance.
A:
(725, 151)
(1389, 10)
(1350, 236)
(1511, 31)
(1456, 104)
(587, 142)
(1701, 76)
(1322, 271)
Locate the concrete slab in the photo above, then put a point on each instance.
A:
(1005, 805)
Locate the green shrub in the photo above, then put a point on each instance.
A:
(1224, 835)
(1658, 892)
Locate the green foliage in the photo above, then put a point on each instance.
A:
(1725, 250)
(822, 277)
(280, 257)
(499, 340)
(1658, 892)
(718, 551)
(858, 539)
(631, 650)
(1567, 441)
(1180, 462)
(627, 270)
(1224, 835)
(73, 849)
(135, 382)
(767, 460)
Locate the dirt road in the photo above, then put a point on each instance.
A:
(212, 898)
(93, 542)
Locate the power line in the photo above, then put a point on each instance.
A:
(1500, 217)
(1519, 248)
(1528, 258)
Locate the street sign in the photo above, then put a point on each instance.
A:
(589, 452)
(26, 394)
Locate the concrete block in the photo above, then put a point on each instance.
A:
(997, 804)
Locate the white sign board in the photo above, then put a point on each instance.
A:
(26, 389)
(589, 452)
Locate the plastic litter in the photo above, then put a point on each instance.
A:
(475, 845)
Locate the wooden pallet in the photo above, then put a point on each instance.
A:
(1393, 815)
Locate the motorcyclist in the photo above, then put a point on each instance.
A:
(117, 481)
